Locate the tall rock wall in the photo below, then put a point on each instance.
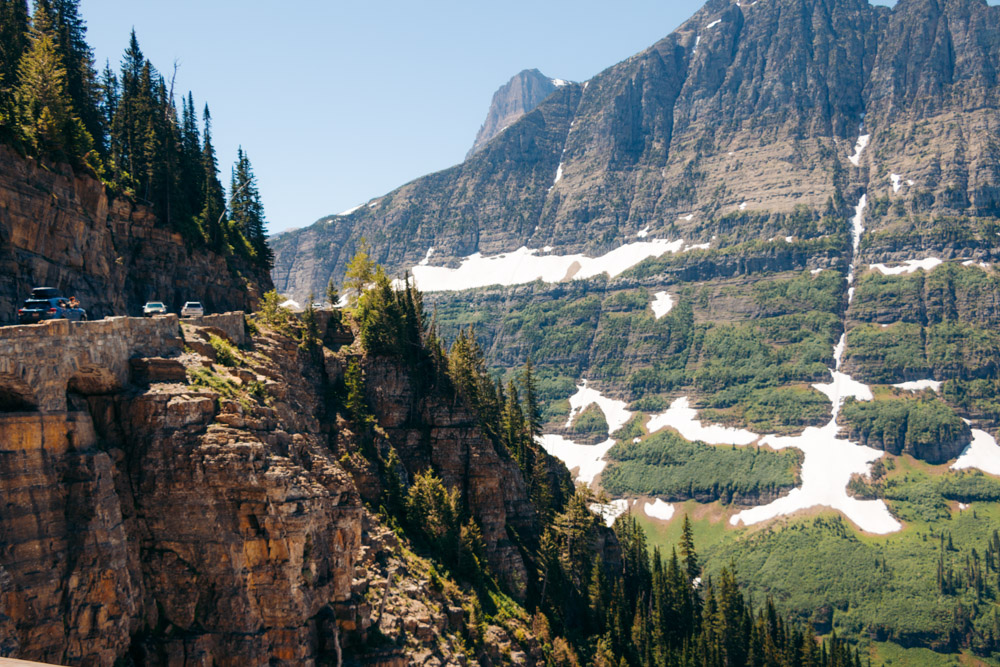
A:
(65, 230)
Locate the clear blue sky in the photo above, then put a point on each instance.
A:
(339, 102)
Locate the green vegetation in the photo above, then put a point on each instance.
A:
(668, 466)
(945, 349)
(922, 426)
(225, 353)
(123, 127)
(591, 420)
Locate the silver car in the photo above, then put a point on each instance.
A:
(192, 309)
(154, 308)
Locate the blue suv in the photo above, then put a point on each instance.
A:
(47, 304)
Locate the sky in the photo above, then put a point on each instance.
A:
(339, 102)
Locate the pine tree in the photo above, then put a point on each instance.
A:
(332, 296)
(532, 409)
(360, 271)
(246, 212)
(45, 113)
(214, 206)
(78, 58)
(13, 42)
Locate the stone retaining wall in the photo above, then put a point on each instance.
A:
(40, 362)
(233, 324)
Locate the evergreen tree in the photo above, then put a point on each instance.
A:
(360, 271)
(214, 206)
(332, 296)
(78, 58)
(13, 42)
(246, 212)
(44, 111)
(532, 409)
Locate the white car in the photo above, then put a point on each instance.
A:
(192, 309)
(154, 308)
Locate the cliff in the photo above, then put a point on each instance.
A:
(66, 230)
(197, 510)
(525, 91)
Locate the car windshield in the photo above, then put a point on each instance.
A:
(45, 293)
(34, 304)
(154, 304)
(192, 304)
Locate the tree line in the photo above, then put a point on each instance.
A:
(123, 126)
(596, 595)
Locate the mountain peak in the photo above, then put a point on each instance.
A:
(521, 94)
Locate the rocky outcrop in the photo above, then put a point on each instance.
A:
(66, 230)
(525, 91)
(756, 106)
(430, 431)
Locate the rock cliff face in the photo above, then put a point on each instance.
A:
(752, 108)
(525, 91)
(67, 231)
(197, 512)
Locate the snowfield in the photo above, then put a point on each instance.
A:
(859, 148)
(684, 419)
(659, 510)
(615, 412)
(927, 264)
(662, 304)
(611, 511)
(920, 385)
(526, 265)
(983, 453)
(587, 460)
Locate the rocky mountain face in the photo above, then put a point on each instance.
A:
(525, 91)
(66, 230)
(745, 108)
(202, 514)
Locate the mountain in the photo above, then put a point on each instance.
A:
(521, 94)
(759, 104)
(776, 231)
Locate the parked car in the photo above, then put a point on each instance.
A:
(36, 310)
(192, 309)
(154, 308)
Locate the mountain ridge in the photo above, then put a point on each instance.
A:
(759, 104)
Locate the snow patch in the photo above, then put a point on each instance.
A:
(714, 23)
(350, 210)
(684, 419)
(615, 412)
(858, 222)
(828, 465)
(587, 460)
(659, 510)
(547, 248)
(919, 385)
(897, 182)
(743, 206)
(689, 217)
(927, 264)
(427, 258)
(816, 272)
(697, 41)
(662, 304)
(291, 304)
(971, 262)
(524, 266)
(559, 172)
(559, 83)
(982, 453)
(859, 148)
(643, 233)
(610, 511)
